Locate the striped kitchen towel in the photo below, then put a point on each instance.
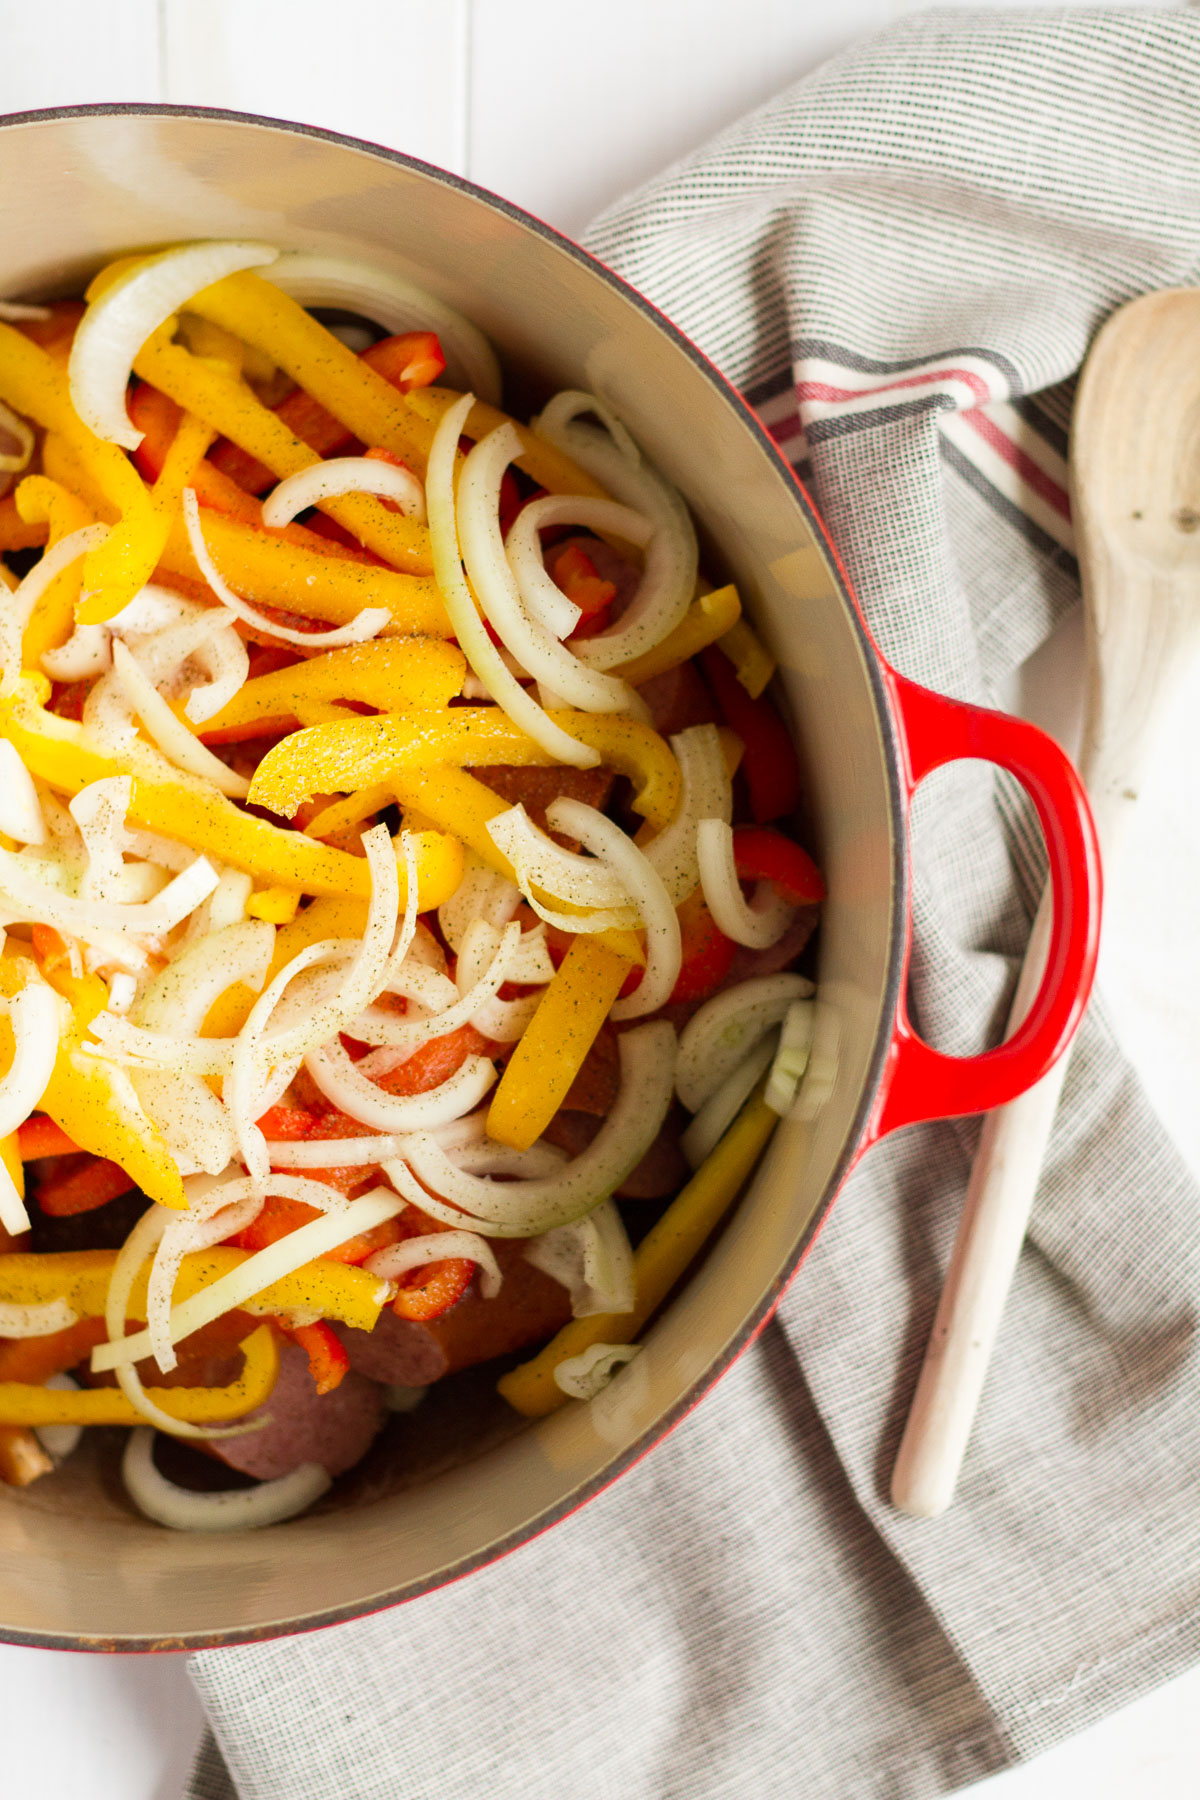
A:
(902, 261)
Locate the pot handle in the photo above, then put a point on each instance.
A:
(919, 1082)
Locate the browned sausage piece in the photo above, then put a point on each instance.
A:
(529, 1308)
(334, 1429)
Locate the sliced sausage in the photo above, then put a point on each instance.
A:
(334, 1429)
(678, 699)
(534, 789)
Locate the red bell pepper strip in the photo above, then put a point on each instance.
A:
(768, 755)
(435, 1062)
(83, 1189)
(40, 1136)
(707, 953)
(576, 574)
(760, 854)
(426, 1292)
(327, 1358)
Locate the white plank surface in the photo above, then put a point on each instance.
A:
(561, 107)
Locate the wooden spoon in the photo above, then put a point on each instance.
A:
(1135, 497)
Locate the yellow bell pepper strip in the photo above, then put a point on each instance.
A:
(24, 1403)
(396, 672)
(274, 904)
(354, 753)
(233, 409)
(663, 1255)
(81, 1277)
(94, 1100)
(184, 809)
(710, 617)
(50, 624)
(752, 662)
(36, 384)
(343, 383)
(541, 460)
(551, 1050)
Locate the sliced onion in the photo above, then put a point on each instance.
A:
(99, 811)
(366, 624)
(15, 427)
(256, 1050)
(725, 1102)
(584, 1376)
(669, 580)
(341, 1081)
(484, 1157)
(119, 321)
(17, 1321)
(20, 808)
(563, 874)
(791, 1058)
(538, 651)
(243, 1284)
(526, 1208)
(343, 475)
(59, 1441)
(543, 597)
(226, 662)
(482, 893)
(85, 654)
(18, 606)
(122, 992)
(406, 1035)
(504, 1020)
(397, 305)
(707, 794)
(141, 1243)
(757, 924)
(468, 627)
(24, 897)
(216, 1211)
(644, 885)
(169, 733)
(230, 1509)
(226, 905)
(35, 1017)
(727, 1027)
(439, 1246)
(428, 990)
(335, 1153)
(592, 1258)
(194, 1122)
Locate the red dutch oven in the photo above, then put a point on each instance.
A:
(464, 1480)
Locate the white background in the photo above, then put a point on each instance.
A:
(560, 106)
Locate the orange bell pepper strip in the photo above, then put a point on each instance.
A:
(551, 1050)
(24, 1404)
(35, 384)
(412, 359)
(86, 1188)
(660, 1259)
(22, 1458)
(234, 410)
(395, 672)
(17, 533)
(40, 1136)
(354, 753)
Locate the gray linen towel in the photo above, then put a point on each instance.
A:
(902, 261)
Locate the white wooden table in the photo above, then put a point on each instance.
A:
(560, 107)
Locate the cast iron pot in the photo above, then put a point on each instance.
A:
(464, 1481)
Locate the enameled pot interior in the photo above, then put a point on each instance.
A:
(77, 1565)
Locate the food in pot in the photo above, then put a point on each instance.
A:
(399, 879)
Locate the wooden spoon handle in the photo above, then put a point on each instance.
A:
(1004, 1179)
